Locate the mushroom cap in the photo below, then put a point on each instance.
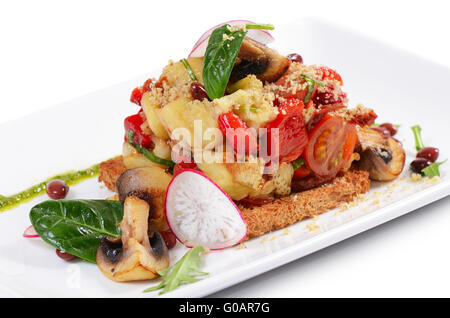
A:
(383, 158)
(149, 184)
(258, 59)
(137, 257)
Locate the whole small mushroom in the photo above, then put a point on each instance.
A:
(383, 158)
(149, 184)
(137, 256)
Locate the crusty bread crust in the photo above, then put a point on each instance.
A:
(283, 211)
(110, 170)
(298, 206)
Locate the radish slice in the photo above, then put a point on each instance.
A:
(30, 232)
(200, 213)
(262, 36)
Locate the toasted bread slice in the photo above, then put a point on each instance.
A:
(281, 212)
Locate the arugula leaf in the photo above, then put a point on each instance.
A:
(184, 271)
(221, 52)
(298, 163)
(433, 169)
(147, 153)
(417, 137)
(189, 70)
(76, 226)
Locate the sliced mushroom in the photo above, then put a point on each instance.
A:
(256, 58)
(136, 257)
(383, 158)
(149, 184)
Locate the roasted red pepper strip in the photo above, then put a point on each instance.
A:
(293, 136)
(134, 123)
(136, 94)
(236, 131)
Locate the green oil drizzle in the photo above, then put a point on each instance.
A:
(69, 177)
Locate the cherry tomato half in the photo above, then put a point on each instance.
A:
(293, 136)
(331, 144)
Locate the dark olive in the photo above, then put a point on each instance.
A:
(198, 91)
(294, 57)
(392, 128)
(419, 164)
(429, 153)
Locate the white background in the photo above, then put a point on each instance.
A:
(52, 51)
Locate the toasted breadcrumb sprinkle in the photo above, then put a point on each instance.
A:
(241, 246)
(237, 27)
(415, 177)
(349, 113)
(286, 231)
(312, 226)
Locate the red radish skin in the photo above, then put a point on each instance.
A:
(200, 46)
(221, 190)
(30, 232)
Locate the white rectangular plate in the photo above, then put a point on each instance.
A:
(401, 87)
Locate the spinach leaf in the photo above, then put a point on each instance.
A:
(76, 226)
(223, 48)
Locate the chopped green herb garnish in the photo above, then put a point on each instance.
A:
(147, 153)
(310, 82)
(433, 169)
(184, 271)
(306, 77)
(298, 163)
(418, 137)
(189, 70)
(255, 26)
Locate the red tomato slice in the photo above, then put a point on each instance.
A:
(236, 131)
(331, 144)
(293, 136)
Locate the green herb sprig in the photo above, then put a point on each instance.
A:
(418, 137)
(147, 153)
(433, 169)
(185, 271)
(189, 70)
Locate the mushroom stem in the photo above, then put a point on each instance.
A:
(137, 257)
